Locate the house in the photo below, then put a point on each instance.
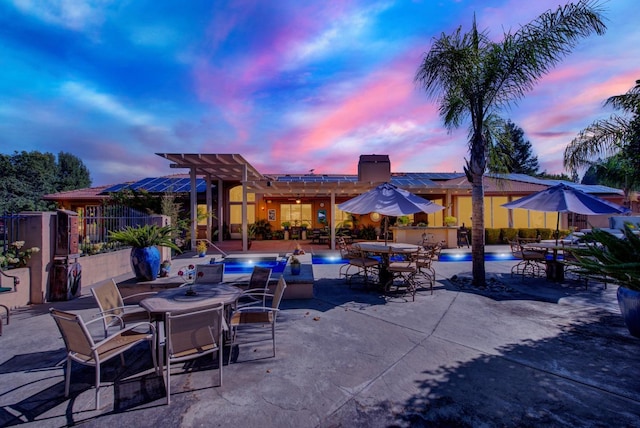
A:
(247, 195)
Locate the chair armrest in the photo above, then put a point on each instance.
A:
(121, 308)
(146, 293)
(124, 330)
(256, 292)
(256, 309)
(100, 317)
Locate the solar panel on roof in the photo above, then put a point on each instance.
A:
(161, 185)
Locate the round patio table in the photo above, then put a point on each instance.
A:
(179, 300)
(385, 251)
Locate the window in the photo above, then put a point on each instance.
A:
(296, 214)
(235, 207)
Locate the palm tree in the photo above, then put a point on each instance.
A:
(473, 77)
(617, 138)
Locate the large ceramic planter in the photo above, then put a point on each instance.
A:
(629, 302)
(145, 263)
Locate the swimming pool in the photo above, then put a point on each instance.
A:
(245, 264)
(444, 257)
(466, 257)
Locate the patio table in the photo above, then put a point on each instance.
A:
(177, 299)
(385, 251)
(555, 268)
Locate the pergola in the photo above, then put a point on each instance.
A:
(233, 168)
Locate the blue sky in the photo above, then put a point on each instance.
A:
(290, 85)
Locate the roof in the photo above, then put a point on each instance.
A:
(161, 185)
(78, 194)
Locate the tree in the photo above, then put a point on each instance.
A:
(472, 77)
(617, 139)
(512, 153)
(72, 174)
(26, 176)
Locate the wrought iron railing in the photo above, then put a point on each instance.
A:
(95, 223)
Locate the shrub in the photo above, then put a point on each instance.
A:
(528, 233)
(492, 236)
(545, 233)
(508, 234)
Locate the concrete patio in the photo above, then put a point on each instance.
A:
(519, 353)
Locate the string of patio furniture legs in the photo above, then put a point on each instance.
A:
(426, 273)
(572, 270)
(531, 260)
(365, 267)
(382, 252)
(403, 274)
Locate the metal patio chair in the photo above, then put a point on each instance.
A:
(190, 335)
(258, 315)
(82, 348)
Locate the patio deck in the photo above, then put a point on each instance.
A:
(518, 353)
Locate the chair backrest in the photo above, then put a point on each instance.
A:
(74, 332)
(260, 277)
(277, 295)
(108, 298)
(424, 258)
(190, 334)
(211, 273)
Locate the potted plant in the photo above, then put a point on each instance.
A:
(615, 260)
(201, 248)
(450, 220)
(403, 220)
(286, 225)
(145, 257)
(295, 265)
(261, 229)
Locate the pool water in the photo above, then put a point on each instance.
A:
(466, 257)
(444, 257)
(244, 265)
(234, 265)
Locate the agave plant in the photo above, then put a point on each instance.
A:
(145, 236)
(617, 259)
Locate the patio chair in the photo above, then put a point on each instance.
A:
(257, 289)
(113, 310)
(531, 261)
(190, 335)
(570, 269)
(403, 274)
(364, 266)
(209, 273)
(258, 315)
(425, 273)
(82, 348)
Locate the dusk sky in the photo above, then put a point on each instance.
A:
(291, 85)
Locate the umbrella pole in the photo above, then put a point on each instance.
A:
(557, 228)
(386, 228)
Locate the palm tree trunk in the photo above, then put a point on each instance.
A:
(477, 166)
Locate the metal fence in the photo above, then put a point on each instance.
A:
(95, 223)
(10, 229)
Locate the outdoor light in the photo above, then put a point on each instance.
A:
(298, 201)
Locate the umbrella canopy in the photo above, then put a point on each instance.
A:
(562, 198)
(388, 199)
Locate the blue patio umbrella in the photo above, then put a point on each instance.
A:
(562, 198)
(389, 200)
